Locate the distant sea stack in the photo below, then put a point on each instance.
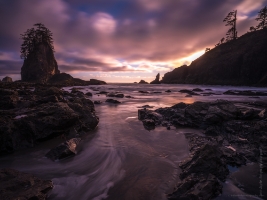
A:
(156, 81)
(238, 62)
(143, 82)
(40, 65)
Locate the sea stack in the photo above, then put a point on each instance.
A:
(156, 81)
(40, 65)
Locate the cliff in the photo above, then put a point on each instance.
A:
(40, 65)
(239, 62)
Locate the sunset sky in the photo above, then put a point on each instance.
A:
(120, 40)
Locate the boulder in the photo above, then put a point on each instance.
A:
(197, 90)
(113, 101)
(7, 79)
(64, 150)
(149, 124)
(19, 185)
(156, 81)
(113, 94)
(89, 94)
(143, 92)
(189, 92)
(40, 65)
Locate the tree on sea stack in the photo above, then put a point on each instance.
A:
(230, 20)
(33, 37)
(262, 18)
(37, 50)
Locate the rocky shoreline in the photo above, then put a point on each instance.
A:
(32, 113)
(232, 136)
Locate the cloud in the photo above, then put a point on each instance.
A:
(9, 67)
(142, 36)
(104, 23)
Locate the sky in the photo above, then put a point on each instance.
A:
(121, 40)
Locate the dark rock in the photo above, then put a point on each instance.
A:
(113, 101)
(147, 106)
(143, 82)
(198, 163)
(19, 185)
(180, 105)
(47, 91)
(200, 175)
(157, 92)
(151, 115)
(102, 92)
(197, 187)
(189, 92)
(8, 99)
(64, 79)
(156, 81)
(96, 82)
(263, 114)
(64, 150)
(7, 79)
(209, 93)
(212, 131)
(43, 119)
(40, 65)
(144, 92)
(238, 62)
(245, 93)
(76, 91)
(149, 124)
(168, 91)
(128, 96)
(88, 94)
(249, 114)
(97, 102)
(197, 90)
(118, 95)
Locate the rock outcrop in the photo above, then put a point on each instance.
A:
(19, 185)
(233, 136)
(7, 79)
(29, 117)
(65, 79)
(64, 150)
(143, 82)
(40, 65)
(156, 81)
(239, 62)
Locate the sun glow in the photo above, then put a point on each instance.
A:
(194, 56)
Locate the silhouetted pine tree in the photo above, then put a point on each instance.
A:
(34, 36)
(207, 49)
(262, 17)
(230, 20)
